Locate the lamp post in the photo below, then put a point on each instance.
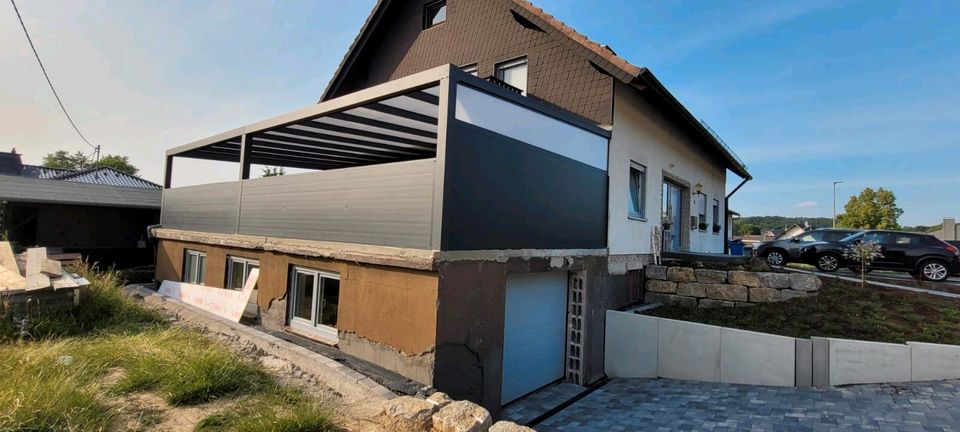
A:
(835, 202)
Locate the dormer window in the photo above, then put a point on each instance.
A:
(434, 13)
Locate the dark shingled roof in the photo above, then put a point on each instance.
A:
(107, 176)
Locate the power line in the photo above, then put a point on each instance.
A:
(42, 68)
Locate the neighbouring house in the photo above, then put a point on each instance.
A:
(482, 186)
(101, 213)
(792, 231)
(949, 230)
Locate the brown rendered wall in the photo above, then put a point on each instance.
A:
(392, 308)
(483, 32)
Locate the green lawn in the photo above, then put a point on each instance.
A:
(842, 310)
(82, 368)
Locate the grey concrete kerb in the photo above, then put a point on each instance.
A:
(353, 385)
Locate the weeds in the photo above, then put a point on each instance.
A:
(279, 409)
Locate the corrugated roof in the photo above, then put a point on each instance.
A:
(108, 177)
(45, 173)
(25, 189)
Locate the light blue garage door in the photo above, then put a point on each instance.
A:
(533, 332)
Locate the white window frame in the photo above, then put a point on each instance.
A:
(247, 264)
(427, 8)
(641, 192)
(510, 64)
(313, 325)
(196, 272)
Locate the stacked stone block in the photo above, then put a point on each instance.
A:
(691, 287)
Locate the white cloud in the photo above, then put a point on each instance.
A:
(807, 204)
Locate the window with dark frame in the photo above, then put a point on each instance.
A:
(238, 270)
(470, 69)
(434, 13)
(702, 208)
(514, 73)
(194, 266)
(716, 216)
(638, 192)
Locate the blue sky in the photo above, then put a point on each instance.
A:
(806, 92)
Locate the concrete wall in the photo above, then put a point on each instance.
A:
(950, 230)
(641, 346)
(643, 135)
(386, 315)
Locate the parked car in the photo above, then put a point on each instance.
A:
(780, 252)
(918, 254)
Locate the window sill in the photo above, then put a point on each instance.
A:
(636, 217)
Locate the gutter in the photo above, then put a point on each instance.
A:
(726, 209)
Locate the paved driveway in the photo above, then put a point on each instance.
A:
(663, 405)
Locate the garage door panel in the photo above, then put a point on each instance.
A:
(534, 330)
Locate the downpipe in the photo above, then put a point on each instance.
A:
(726, 208)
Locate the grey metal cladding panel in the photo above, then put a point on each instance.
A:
(388, 204)
(13, 188)
(205, 208)
(501, 193)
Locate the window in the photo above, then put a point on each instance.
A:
(315, 297)
(514, 73)
(716, 216)
(470, 69)
(638, 191)
(702, 212)
(434, 13)
(194, 266)
(238, 270)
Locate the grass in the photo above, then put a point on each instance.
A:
(80, 363)
(842, 310)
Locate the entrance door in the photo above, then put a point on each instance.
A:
(533, 332)
(314, 298)
(672, 213)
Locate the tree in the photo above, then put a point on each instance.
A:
(863, 253)
(119, 163)
(273, 171)
(742, 229)
(78, 161)
(871, 210)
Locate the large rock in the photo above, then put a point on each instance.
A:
(710, 303)
(407, 413)
(736, 293)
(789, 294)
(711, 276)
(440, 399)
(697, 290)
(681, 274)
(744, 278)
(774, 280)
(657, 272)
(805, 282)
(764, 295)
(669, 299)
(462, 416)
(661, 286)
(505, 426)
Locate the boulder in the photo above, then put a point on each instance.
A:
(407, 413)
(805, 282)
(462, 416)
(745, 278)
(661, 286)
(736, 293)
(440, 399)
(788, 294)
(681, 274)
(711, 276)
(764, 295)
(657, 272)
(710, 303)
(505, 426)
(774, 280)
(692, 290)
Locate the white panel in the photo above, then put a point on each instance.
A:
(757, 358)
(533, 332)
(390, 118)
(413, 105)
(860, 362)
(689, 351)
(360, 126)
(630, 350)
(531, 127)
(934, 362)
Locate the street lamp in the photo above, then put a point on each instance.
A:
(835, 202)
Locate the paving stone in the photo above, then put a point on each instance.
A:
(654, 271)
(661, 286)
(681, 274)
(711, 276)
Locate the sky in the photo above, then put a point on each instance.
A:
(806, 92)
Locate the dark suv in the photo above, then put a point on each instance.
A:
(918, 254)
(780, 252)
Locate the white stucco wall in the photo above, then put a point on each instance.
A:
(643, 135)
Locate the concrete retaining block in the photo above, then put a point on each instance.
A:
(860, 362)
(804, 363)
(633, 351)
(934, 361)
(821, 361)
(757, 358)
(688, 351)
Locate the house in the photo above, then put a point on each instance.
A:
(100, 213)
(484, 184)
(949, 230)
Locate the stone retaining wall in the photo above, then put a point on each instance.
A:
(690, 287)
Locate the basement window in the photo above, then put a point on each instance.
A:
(514, 73)
(638, 192)
(238, 270)
(194, 266)
(434, 13)
(315, 297)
